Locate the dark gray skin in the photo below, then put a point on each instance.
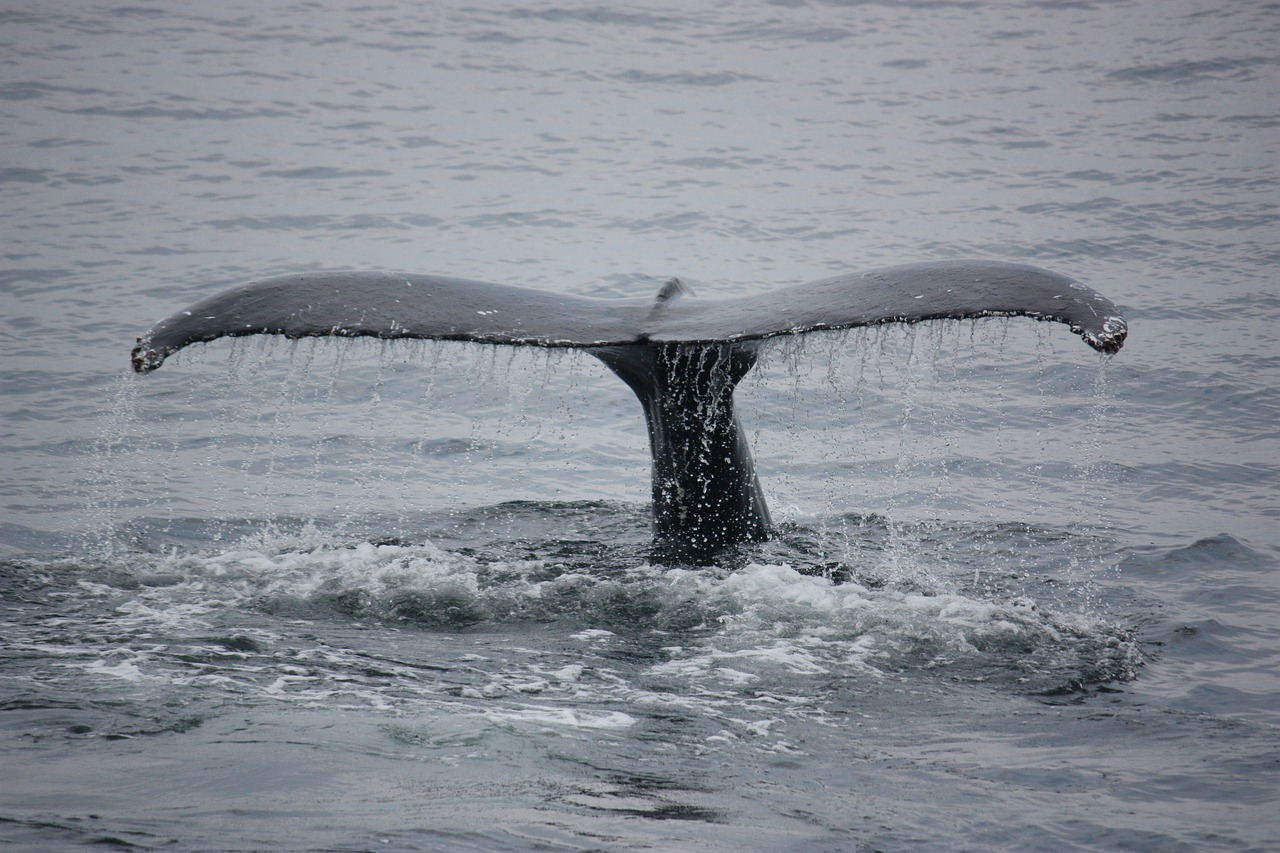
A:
(682, 357)
(705, 492)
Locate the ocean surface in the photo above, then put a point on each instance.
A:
(352, 596)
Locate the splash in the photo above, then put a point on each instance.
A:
(761, 626)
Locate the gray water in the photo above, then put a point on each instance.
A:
(351, 596)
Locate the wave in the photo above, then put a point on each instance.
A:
(533, 633)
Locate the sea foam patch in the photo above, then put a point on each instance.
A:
(776, 622)
(226, 623)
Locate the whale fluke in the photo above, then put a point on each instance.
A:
(682, 357)
(387, 305)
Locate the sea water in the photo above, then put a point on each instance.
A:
(360, 596)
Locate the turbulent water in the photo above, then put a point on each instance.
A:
(354, 596)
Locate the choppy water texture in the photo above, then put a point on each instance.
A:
(346, 596)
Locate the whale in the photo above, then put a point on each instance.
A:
(681, 355)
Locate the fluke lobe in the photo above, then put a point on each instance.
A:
(681, 356)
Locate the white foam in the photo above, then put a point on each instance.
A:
(566, 674)
(592, 634)
(749, 643)
(125, 670)
(777, 623)
(566, 717)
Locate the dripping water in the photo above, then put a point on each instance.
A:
(917, 419)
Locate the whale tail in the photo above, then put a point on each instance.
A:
(706, 495)
(682, 357)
